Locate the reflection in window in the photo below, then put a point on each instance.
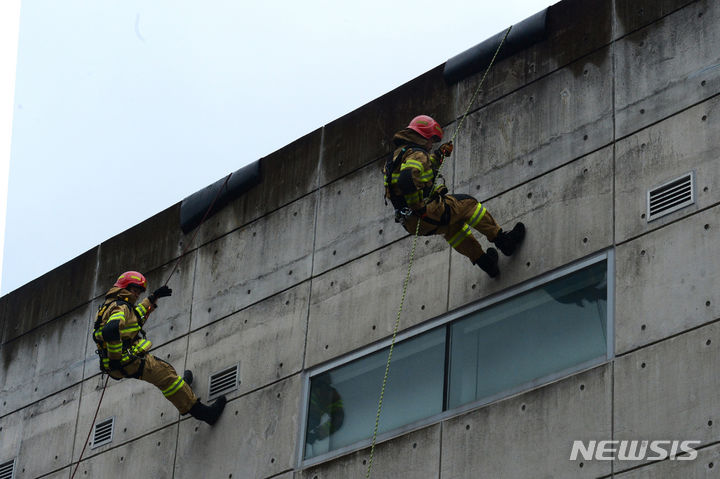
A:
(541, 333)
(545, 331)
(343, 402)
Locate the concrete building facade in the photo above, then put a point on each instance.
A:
(306, 269)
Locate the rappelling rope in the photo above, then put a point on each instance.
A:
(187, 247)
(410, 264)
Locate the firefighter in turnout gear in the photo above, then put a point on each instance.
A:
(325, 411)
(124, 351)
(410, 186)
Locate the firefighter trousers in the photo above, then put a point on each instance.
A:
(163, 376)
(454, 217)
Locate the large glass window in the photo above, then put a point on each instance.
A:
(547, 329)
(343, 402)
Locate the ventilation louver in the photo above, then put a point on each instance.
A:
(7, 470)
(671, 196)
(224, 381)
(103, 432)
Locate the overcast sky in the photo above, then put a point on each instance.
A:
(123, 108)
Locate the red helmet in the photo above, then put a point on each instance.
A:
(131, 278)
(426, 126)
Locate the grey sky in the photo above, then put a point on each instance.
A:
(123, 108)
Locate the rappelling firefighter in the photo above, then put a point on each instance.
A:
(410, 186)
(124, 350)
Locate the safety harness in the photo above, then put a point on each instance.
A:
(127, 354)
(402, 210)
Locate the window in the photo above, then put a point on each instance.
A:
(343, 402)
(546, 329)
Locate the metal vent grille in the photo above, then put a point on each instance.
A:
(7, 470)
(224, 381)
(671, 196)
(103, 432)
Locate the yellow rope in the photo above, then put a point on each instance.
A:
(407, 277)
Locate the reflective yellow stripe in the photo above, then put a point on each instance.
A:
(412, 164)
(117, 316)
(131, 329)
(141, 309)
(413, 197)
(143, 345)
(477, 215)
(460, 236)
(174, 387)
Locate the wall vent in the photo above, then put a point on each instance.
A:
(671, 196)
(224, 381)
(103, 433)
(7, 470)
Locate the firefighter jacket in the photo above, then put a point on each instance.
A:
(410, 176)
(325, 411)
(118, 327)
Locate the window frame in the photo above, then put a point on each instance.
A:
(445, 320)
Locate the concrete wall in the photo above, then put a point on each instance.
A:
(566, 136)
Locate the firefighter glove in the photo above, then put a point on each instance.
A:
(442, 190)
(161, 292)
(115, 364)
(446, 149)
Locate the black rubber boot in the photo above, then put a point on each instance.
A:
(488, 262)
(508, 242)
(209, 414)
(188, 377)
